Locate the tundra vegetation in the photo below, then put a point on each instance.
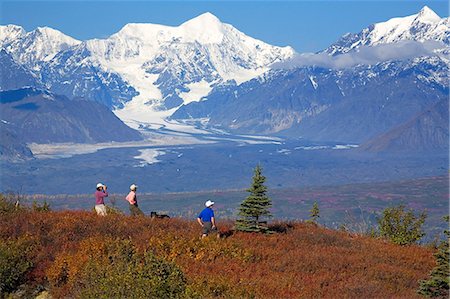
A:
(77, 254)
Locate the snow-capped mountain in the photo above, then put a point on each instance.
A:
(13, 74)
(207, 71)
(35, 47)
(339, 101)
(423, 26)
(348, 105)
(145, 70)
(10, 33)
(170, 66)
(73, 73)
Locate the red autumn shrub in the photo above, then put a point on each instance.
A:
(302, 260)
(113, 268)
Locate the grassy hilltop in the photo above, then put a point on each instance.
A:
(79, 254)
(350, 205)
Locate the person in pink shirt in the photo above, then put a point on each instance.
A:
(132, 199)
(100, 195)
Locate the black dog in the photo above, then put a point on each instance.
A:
(156, 215)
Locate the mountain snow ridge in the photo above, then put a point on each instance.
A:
(164, 63)
(149, 44)
(8, 33)
(146, 71)
(423, 26)
(205, 28)
(35, 47)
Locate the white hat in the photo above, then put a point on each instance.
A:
(99, 185)
(133, 187)
(209, 203)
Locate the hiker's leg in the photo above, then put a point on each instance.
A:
(206, 229)
(139, 211)
(101, 210)
(133, 210)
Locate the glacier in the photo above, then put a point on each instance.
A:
(144, 72)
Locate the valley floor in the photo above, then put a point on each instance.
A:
(350, 186)
(203, 165)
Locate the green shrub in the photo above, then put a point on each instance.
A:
(12, 202)
(115, 269)
(14, 263)
(44, 207)
(113, 211)
(400, 226)
(8, 203)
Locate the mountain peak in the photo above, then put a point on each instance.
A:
(141, 30)
(41, 44)
(204, 22)
(205, 28)
(50, 32)
(427, 15)
(423, 26)
(206, 18)
(46, 29)
(11, 27)
(9, 33)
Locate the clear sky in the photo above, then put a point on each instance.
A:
(308, 26)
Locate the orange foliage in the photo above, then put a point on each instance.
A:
(305, 261)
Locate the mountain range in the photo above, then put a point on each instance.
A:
(335, 101)
(346, 105)
(423, 26)
(143, 67)
(207, 73)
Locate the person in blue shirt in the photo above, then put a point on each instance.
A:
(206, 219)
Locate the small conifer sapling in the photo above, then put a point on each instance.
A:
(255, 206)
(314, 213)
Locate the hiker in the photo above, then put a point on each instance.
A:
(100, 194)
(132, 199)
(206, 219)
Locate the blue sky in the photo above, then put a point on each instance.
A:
(308, 26)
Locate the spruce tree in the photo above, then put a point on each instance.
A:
(438, 284)
(314, 212)
(255, 206)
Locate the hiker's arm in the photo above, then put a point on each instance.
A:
(199, 221)
(213, 221)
